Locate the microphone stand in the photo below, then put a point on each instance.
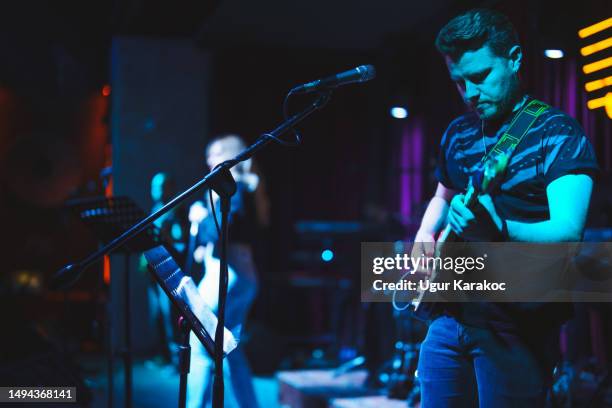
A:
(218, 180)
(184, 360)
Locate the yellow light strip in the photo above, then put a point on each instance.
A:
(595, 28)
(598, 84)
(597, 103)
(598, 46)
(597, 65)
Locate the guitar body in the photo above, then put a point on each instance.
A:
(209, 285)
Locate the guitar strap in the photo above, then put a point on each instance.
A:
(520, 125)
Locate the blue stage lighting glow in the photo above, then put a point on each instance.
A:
(554, 54)
(399, 113)
(327, 255)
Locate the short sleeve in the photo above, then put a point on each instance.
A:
(568, 151)
(441, 171)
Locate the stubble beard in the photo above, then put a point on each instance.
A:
(505, 106)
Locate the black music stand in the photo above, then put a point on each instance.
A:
(108, 217)
(196, 316)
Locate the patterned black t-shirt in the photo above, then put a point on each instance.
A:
(554, 146)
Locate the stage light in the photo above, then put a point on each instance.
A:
(603, 102)
(597, 65)
(106, 269)
(598, 84)
(327, 255)
(399, 113)
(554, 54)
(599, 102)
(595, 28)
(106, 90)
(598, 46)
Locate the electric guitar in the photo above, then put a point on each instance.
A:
(484, 181)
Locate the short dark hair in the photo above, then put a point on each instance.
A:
(474, 29)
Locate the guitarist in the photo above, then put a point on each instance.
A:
(242, 277)
(494, 354)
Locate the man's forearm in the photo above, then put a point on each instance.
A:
(544, 231)
(434, 218)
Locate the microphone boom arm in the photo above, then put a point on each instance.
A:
(70, 273)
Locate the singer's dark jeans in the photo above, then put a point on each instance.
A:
(464, 366)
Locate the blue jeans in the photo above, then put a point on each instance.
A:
(466, 366)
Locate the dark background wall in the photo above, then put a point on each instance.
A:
(159, 123)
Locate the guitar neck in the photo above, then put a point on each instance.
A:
(470, 199)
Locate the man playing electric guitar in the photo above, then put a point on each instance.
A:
(494, 354)
(242, 278)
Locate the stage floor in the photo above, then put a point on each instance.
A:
(157, 385)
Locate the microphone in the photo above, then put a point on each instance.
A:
(362, 73)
